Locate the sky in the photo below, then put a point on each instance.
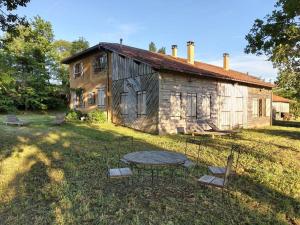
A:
(216, 26)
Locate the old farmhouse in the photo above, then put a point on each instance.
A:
(159, 93)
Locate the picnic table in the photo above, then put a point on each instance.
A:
(155, 158)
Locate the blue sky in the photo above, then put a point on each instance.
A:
(216, 26)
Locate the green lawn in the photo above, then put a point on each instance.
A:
(56, 175)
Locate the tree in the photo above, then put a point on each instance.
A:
(152, 47)
(278, 37)
(162, 50)
(34, 62)
(8, 20)
(7, 82)
(79, 45)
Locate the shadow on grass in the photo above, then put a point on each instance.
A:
(69, 186)
(286, 123)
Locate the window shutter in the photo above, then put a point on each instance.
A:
(206, 107)
(74, 70)
(268, 107)
(254, 107)
(81, 67)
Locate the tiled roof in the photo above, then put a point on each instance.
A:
(277, 98)
(165, 62)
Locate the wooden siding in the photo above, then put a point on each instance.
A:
(233, 100)
(177, 83)
(228, 106)
(130, 77)
(258, 93)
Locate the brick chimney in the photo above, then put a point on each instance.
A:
(190, 52)
(226, 61)
(174, 51)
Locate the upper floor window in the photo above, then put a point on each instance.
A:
(78, 69)
(100, 63)
(191, 105)
(141, 103)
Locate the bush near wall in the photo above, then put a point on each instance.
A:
(73, 115)
(96, 116)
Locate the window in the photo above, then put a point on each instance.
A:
(78, 69)
(141, 103)
(91, 98)
(74, 98)
(268, 107)
(206, 106)
(175, 102)
(100, 63)
(191, 105)
(260, 108)
(254, 107)
(123, 104)
(101, 97)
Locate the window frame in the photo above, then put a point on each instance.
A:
(101, 89)
(99, 66)
(92, 95)
(141, 109)
(79, 73)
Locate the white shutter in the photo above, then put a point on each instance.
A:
(81, 68)
(268, 107)
(101, 97)
(254, 107)
(175, 102)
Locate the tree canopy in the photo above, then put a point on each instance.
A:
(31, 75)
(9, 20)
(79, 45)
(278, 37)
(152, 48)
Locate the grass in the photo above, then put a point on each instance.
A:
(56, 175)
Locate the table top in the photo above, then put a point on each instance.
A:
(155, 158)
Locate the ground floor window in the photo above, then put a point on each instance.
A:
(206, 107)
(191, 105)
(260, 107)
(91, 98)
(101, 97)
(124, 104)
(141, 103)
(77, 97)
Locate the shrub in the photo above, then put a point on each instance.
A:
(73, 115)
(97, 116)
